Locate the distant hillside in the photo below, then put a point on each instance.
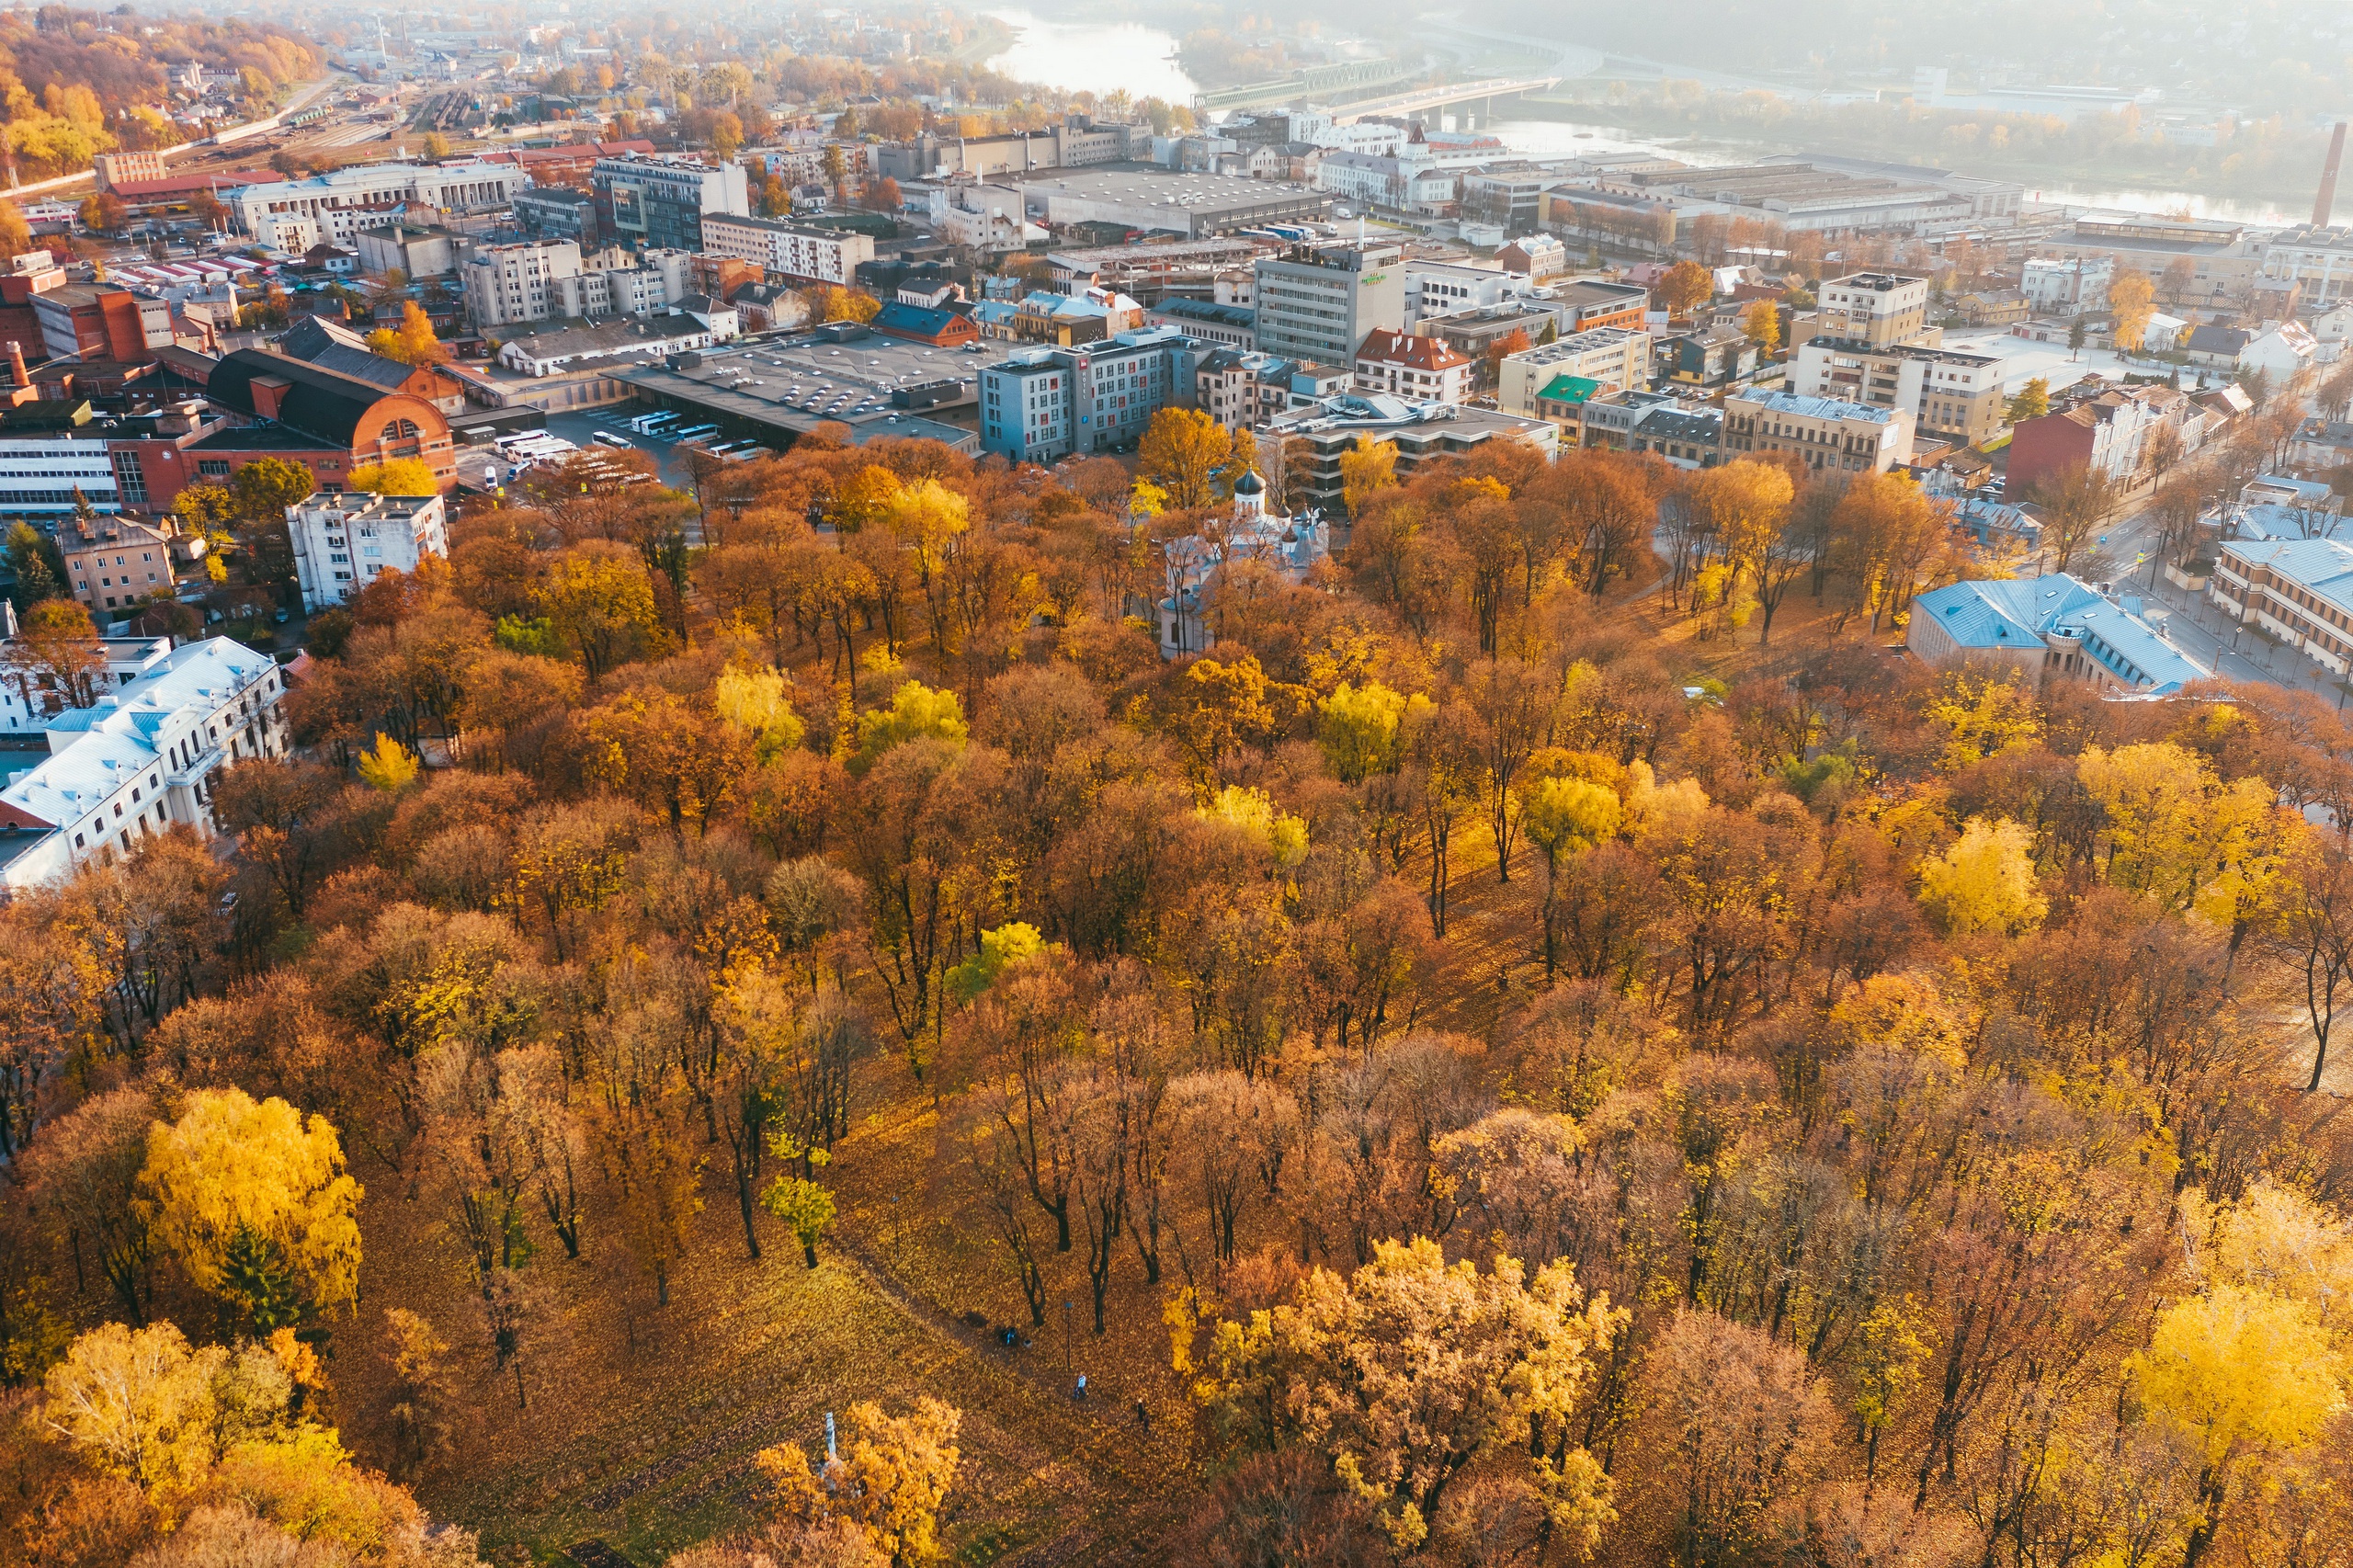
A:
(74, 84)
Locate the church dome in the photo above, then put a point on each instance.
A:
(1250, 484)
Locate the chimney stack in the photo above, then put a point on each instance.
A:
(2321, 207)
(18, 374)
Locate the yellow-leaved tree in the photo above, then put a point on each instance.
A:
(254, 1201)
(931, 521)
(414, 342)
(1983, 715)
(2249, 1377)
(1984, 880)
(2185, 838)
(1361, 728)
(916, 710)
(1251, 811)
(1350, 1367)
(388, 766)
(755, 701)
(140, 1404)
(892, 1476)
(2252, 1369)
(600, 601)
(1562, 814)
(396, 476)
(1366, 469)
(1182, 451)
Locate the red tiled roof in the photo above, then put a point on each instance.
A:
(1430, 354)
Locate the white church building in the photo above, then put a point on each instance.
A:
(1291, 546)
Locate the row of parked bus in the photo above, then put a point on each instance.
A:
(674, 427)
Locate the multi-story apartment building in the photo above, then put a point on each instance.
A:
(549, 279)
(1827, 433)
(140, 759)
(2075, 286)
(1422, 434)
(660, 201)
(791, 250)
(2300, 589)
(118, 168)
(1511, 198)
(115, 563)
(342, 540)
(516, 282)
(1689, 436)
(2106, 431)
(1045, 403)
(29, 701)
(1317, 303)
(1950, 393)
(556, 212)
(2321, 259)
(1875, 309)
(1544, 381)
(1426, 370)
(1440, 287)
(340, 203)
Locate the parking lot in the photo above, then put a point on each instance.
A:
(581, 427)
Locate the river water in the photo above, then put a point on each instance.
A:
(1096, 57)
(1103, 57)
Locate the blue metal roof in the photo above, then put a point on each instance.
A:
(2020, 612)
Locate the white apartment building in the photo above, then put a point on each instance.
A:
(342, 540)
(341, 202)
(1401, 183)
(614, 282)
(1546, 382)
(516, 282)
(27, 702)
(1425, 370)
(1874, 308)
(2076, 286)
(2319, 259)
(818, 255)
(551, 280)
(1950, 392)
(1440, 287)
(139, 760)
(1826, 433)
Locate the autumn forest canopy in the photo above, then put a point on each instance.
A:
(1549, 1042)
(74, 84)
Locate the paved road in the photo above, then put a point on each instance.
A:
(2193, 621)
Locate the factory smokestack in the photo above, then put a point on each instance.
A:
(2328, 177)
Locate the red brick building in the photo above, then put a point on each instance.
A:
(280, 407)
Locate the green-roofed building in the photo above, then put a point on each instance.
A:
(1559, 398)
(1553, 380)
